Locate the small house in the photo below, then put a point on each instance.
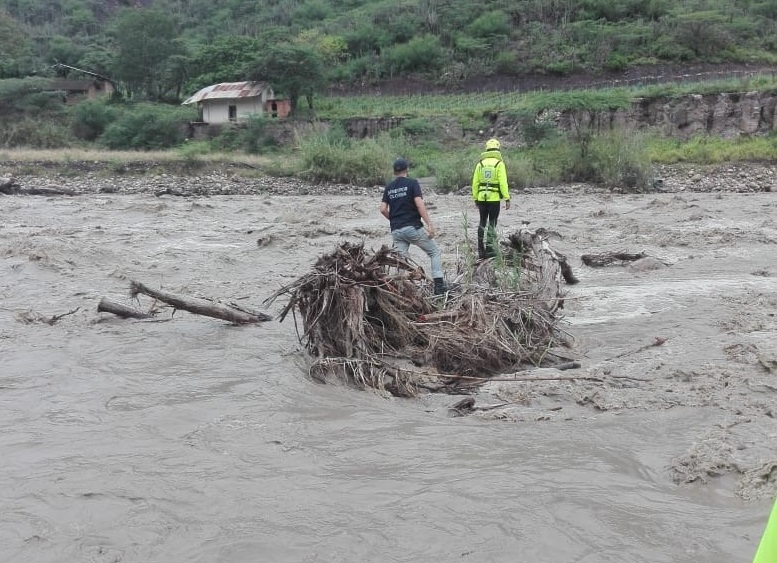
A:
(236, 101)
(97, 86)
(77, 90)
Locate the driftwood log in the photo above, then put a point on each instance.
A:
(120, 310)
(10, 186)
(198, 306)
(610, 258)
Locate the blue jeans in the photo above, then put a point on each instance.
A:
(406, 236)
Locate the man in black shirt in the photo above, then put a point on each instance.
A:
(403, 205)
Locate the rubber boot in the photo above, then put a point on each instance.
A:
(439, 286)
(481, 245)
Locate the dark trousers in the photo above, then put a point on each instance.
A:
(489, 213)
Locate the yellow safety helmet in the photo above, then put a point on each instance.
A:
(493, 145)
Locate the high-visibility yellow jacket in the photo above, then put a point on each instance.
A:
(767, 551)
(489, 181)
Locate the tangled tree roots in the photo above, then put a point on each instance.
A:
(367, 317)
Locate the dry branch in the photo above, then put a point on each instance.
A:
(657, 341)
(200, 306)
(30, 317)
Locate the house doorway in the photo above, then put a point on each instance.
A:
(233, 113)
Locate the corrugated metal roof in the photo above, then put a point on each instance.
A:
(228, 91)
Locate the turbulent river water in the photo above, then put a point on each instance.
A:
(186, 439)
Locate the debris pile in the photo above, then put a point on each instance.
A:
(370, 319)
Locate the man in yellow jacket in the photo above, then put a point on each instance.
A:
(767, 551)
(489, 188)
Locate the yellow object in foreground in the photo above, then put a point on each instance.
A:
(767, 551)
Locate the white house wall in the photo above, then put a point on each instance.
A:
(217, 111)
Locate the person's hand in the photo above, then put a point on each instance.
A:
(430, 231)
(507, 204)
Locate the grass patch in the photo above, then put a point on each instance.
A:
(712, 150)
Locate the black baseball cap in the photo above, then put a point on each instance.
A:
(400, 164)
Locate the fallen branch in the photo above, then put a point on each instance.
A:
(120, 310)
(29, 317)
(658, 341)
(467, 406)
(200, 306)
(55, 318)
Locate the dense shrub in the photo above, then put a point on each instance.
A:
(312, 11)
(420, 54)
(330, 156)
(418, 128)
(147, 126)
(491, 25)
(506, 62)
(28, 96)
(628, 9)
(617, 158)
(248, 136)
(560, 67)
(472, 46)
(453, 170)
(31, 115)
(91, 118)
(34, 133)
(616, 62)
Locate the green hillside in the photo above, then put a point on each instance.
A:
(164, 49)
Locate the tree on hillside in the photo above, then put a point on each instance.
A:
(14, 48)
(223, 60)
(145, 41)
(98, 59)
(293, 70)
(64, 50)
(704, 33)
(332, 48)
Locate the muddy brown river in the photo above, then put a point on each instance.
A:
(185, 439)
